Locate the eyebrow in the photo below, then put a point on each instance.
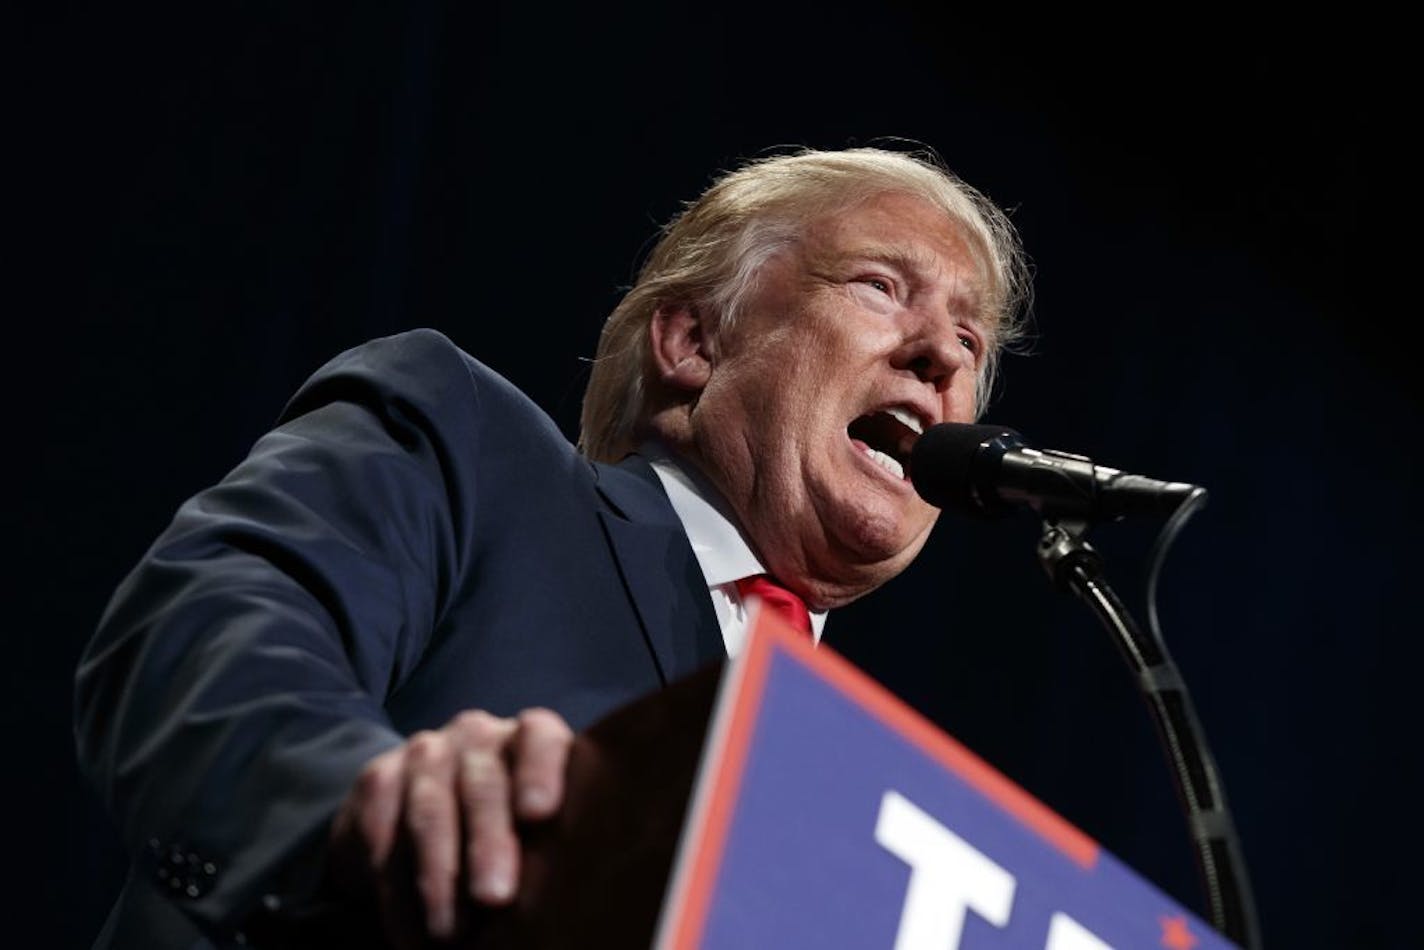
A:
(907, 257)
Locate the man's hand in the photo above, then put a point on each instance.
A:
(436, 816)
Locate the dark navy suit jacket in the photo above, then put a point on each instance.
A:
(415, 538)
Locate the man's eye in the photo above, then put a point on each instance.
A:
(881, 285)
(970, 344)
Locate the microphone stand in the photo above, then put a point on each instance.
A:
(1073, 564)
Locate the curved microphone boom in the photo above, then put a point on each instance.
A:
(986, 470)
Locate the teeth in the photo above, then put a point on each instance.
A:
(886, 462)
(907, 419)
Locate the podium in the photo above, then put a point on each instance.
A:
(790, 801)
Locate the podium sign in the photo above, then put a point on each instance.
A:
(828, 814)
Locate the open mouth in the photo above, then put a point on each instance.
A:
(887, 436)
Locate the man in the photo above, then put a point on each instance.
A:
(283, 702)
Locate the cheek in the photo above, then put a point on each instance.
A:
(963, 399)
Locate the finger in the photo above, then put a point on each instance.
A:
(492, 850)
(540, 753)
(365, 825)
(432, 819)
(376, 806)
(368, 859)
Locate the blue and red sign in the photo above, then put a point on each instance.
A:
(829, 814)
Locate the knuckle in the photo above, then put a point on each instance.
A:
(471, 720)
(372, 782)
(427, 805)
(486, 780)
(426, 748)
(485, 728)
(544, 722)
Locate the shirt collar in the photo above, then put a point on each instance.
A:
(721, 549)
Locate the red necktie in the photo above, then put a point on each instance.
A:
(777, 599)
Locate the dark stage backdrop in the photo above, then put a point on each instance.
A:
(211, 204)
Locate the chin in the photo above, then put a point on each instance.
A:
(885, 532)
(872, 550)
(864, 542)
(848, 582)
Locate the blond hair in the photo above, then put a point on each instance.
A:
(709, 255)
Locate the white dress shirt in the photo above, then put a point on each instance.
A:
(722, 552)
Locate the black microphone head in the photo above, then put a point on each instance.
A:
(952, 466)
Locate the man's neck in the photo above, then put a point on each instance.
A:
(721, 547)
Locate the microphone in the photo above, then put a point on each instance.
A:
(986, 470)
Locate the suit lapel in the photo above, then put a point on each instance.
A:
(659, 569)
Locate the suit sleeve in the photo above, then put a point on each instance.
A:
(235, 686)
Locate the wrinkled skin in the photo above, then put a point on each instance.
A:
(875, 307)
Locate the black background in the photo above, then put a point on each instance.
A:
(208, 205)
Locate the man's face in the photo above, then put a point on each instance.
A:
(865, 332)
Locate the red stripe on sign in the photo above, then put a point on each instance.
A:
(768, 632)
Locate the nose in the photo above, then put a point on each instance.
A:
(934, 359)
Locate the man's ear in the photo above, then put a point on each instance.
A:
(680, 347)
